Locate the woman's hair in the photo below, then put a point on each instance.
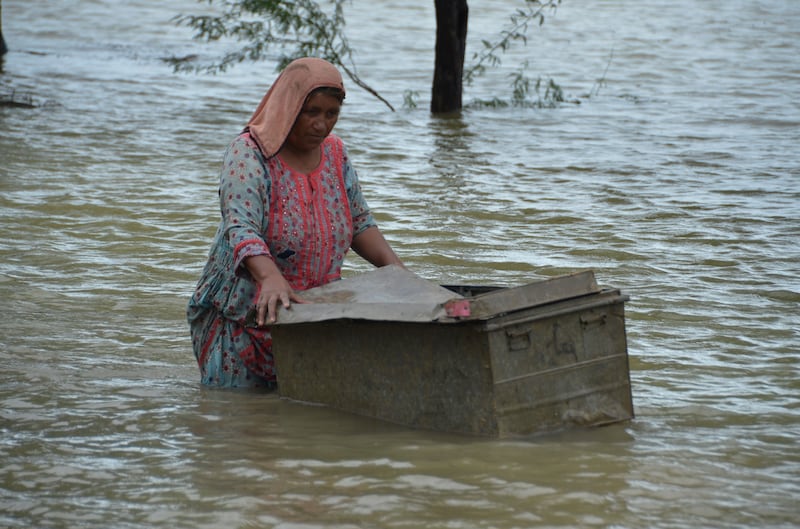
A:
(329, 90)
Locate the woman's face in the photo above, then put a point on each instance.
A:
(316, 120)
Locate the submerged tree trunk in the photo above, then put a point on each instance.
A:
(451, 45)
(3, 47)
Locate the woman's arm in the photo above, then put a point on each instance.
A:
(371, 245)
(243, 197)
(273, 288)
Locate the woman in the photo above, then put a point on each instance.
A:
(291, 208)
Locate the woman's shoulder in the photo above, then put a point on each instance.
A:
(243, 143)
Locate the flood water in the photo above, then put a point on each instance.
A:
(676, 178)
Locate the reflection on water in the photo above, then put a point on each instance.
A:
(677, 182)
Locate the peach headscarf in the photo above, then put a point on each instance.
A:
(273, 119)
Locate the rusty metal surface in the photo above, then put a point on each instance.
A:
(393, 293)
(422, 375)
(490, 304)
(390, 293)
(562, 365)
(557, 362)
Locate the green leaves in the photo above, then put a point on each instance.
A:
(270, 29)
(283, 30)
(516, 32)
(288, 29)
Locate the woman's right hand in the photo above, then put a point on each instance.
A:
(273, 289)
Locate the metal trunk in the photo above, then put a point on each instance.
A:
(497, 362)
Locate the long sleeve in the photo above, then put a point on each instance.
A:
(244, 200)
(359, 210)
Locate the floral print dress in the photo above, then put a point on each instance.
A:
(304, 222)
